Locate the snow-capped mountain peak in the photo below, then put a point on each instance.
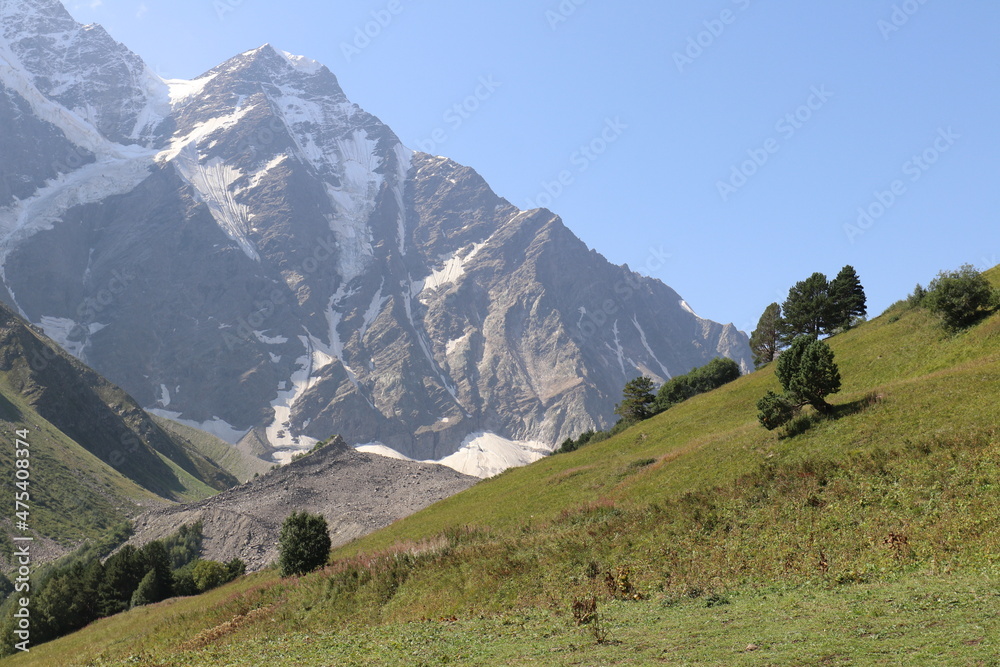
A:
(252, 252)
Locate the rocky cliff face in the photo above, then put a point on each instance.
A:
(253, 253)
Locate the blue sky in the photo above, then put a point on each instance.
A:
(739, 137)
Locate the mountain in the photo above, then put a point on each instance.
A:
(252, 253)
(96, 457)
(866, 536)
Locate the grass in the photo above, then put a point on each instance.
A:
(872, 537)
(234, 461)
(939, 621)
(74, 496)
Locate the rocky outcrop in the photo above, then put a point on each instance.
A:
(357, 494)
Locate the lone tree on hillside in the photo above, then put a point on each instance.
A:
(846, 300)
(637, 400)
(304, 544)
(765, 341)
(808, 374)
(960, 298)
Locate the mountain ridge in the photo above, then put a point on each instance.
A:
(264, 259)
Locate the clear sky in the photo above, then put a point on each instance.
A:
(739, 137)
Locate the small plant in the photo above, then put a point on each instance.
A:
(585, 610)
(898, 543)
(620, 586)
(585, 614)
(716, 600)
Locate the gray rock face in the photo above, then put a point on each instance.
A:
(252, 252)
(357, 493)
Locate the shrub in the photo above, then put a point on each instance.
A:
(208, 574)
(960, 298)
(235, 568)
(808, 374)
(304, 544)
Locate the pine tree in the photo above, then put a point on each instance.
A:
(637, 400)
(847, 301)
(148, 591)
(157, 560)
(808, 374)
(122, 574)
(765, 342)
(806, 308)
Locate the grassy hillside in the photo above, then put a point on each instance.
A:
(868, 538)
(236, 462)
(74, 495)
(96, 456)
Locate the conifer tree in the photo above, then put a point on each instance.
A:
(806, 308)
(765, 341)
(637, 400)
(808, 374)
(846, 300)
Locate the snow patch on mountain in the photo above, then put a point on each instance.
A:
(214, 183)
(199, 133)
(482, 454)
(374, 309)
(382, 450)
(269, 340)
(488, 454)
(404, 160)
(15, 77)
(91, 183)
(59, 330)
(645, 344)
(617, 350)
(685, 306)
(354, 200)
(450, 272)
(301, 63)
(217, 427)
(180, 90)
(278, 433)
(258, 176)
